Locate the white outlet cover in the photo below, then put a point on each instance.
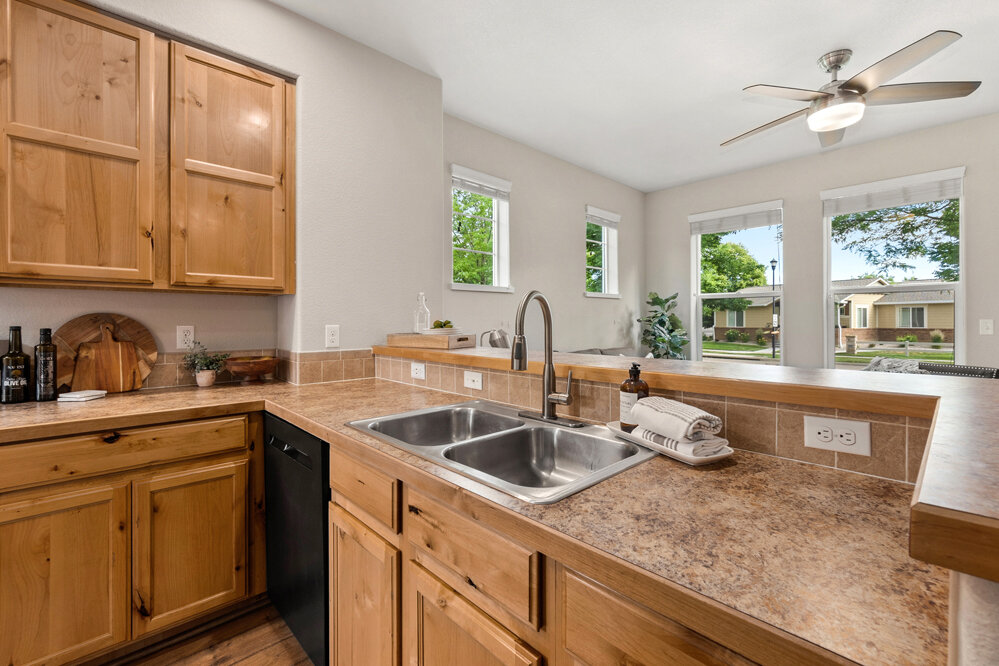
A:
(332, 335)
(418, 370)
(986, 327)
(473, 380)
(185, 337)
(847, 436)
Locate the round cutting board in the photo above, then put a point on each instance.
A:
(87, 328)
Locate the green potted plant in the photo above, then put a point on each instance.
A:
(662, 330)
(203, 365)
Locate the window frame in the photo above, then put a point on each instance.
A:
(910, 308)
(608, 223)
(857, 309)
(729, 317)
(498, 190)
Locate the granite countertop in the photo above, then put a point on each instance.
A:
(816, 552)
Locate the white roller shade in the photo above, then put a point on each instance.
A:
(601, 217)
(764, 214)
(470, 180)
(920, 188)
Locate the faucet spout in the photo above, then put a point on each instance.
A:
(518, 356)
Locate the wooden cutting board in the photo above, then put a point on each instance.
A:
(453, 341)
(69, 338)
(110, 365)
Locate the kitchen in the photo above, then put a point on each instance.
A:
(365, 163)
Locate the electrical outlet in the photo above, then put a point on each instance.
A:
(473, 380)
(986, 327)
(332, 335)
(185, 337)
(418, 370)
(845, 436)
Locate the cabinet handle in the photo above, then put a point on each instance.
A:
(112, 438)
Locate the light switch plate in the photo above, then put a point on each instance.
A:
(845, 436)
(418, 370)
(473, 380)
(986, 327)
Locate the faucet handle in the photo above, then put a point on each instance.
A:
(563, 398)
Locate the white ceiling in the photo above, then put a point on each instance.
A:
(643, 91)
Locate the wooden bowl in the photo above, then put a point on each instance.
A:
(249, 368)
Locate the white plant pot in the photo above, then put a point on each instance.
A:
(205, 377)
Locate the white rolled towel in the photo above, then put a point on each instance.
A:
(697, 448)
(674, 420)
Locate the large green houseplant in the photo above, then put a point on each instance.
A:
(662, 330)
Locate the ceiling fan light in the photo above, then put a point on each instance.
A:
(833, 113)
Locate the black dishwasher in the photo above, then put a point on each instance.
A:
(297, 478)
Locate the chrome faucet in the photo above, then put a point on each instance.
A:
(518, 361)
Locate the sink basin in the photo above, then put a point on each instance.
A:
(541, 457)
(538, 463)
(445, 425)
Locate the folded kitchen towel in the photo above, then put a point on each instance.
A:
(674, 420)
(696, 448)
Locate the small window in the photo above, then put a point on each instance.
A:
(480, 212)
(736, 318)
(912, 317)
(601, 251)
(861, 311)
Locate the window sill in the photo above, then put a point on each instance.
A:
(595, 294)
(458, 286)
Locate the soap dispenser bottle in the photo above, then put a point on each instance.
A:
(421, 316)
(633, 389)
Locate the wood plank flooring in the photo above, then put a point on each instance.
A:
(260, 638)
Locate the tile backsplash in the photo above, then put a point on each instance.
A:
(324, 366)
(771, 428)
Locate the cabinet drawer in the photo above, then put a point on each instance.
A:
(492, 567)
(367, 488)
(112, 450)
(602, 627)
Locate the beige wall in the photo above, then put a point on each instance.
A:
(938, 315)
(547, 243)
(798, 182)
(757, 316)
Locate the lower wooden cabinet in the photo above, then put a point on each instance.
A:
(450, 631)
(188, 543)
(364, 591)
(63, 573)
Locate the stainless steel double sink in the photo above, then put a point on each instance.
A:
(534, 461)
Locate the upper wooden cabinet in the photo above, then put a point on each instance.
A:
(227, 152)
(76, 108)
(92, 110)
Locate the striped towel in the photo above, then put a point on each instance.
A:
(698, 449)
(674, 420)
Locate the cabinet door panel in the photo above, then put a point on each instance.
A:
(77, 156)
(364, 580)
(228, 174)
(189, 543)
(63, 574)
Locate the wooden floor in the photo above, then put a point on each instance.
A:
(257, 639)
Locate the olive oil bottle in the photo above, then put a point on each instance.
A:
(15, 369)
(45, 367)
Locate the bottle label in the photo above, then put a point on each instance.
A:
(14, 376)
(628, 401)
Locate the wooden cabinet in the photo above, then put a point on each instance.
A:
(364, 594)
(448, 630)
(76, 109)
(188, 543)
(63, 573)
(227, 150)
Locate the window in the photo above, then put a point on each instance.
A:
(912, 317)
(480, 212)
(895, 255)
(737, 290)
(601, 252)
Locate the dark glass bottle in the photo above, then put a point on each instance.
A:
(45, 367)
(633, 389)
(15, 370)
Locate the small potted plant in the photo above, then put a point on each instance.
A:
(203, 365)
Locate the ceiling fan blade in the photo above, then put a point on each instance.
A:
(901, 61)
(797, 94)
(827, 139)
(773, 123)
(903, 93)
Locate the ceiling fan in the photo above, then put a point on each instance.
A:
(839, 104)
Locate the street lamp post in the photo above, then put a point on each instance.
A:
(773, 309)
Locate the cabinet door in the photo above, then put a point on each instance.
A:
(188, 543)
(228, 216)
(77, 164)
(364, 594)
(449, 631)
(63, 574)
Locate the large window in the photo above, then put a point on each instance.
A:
(738, 269)
(895, 263)
(601, 252)
(480, 206)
